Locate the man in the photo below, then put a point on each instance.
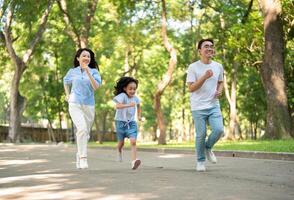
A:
(205, 82)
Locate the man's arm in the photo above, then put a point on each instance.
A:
(198, 83)
(219, 89)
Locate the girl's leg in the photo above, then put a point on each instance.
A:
(120, 145)
(135, 162)
(133, 148)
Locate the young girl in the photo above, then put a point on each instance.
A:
(80, 82)
(126, 106)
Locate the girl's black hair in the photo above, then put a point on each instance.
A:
(93, 64)
(122, 83)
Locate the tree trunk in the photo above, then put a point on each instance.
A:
(154, 136)
(17, 105)
(167, 77)
(233, 105)
(17, 102)
(183, 132)
(278, 121)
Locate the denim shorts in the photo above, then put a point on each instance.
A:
(126, 129)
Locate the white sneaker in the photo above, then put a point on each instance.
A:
(83, 163)
(210, 156)
(135, 164)
(201, 167)
(119, 157)
(78, 161)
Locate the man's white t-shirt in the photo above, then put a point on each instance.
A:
(204, 97)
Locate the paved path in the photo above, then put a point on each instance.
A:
(45, 172)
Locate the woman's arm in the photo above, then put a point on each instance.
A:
(67, 91)
(94, 84)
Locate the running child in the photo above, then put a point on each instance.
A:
(127, 105)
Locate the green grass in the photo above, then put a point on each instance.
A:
(247, 145)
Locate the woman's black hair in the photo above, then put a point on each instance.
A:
(93, 64)
(122, 83)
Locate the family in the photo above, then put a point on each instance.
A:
(205, 83)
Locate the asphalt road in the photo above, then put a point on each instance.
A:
(41, 172)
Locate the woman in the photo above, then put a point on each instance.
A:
(80, 82)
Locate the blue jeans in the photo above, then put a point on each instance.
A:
(214, 118)
(126, 129)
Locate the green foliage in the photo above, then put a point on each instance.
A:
(131, 31)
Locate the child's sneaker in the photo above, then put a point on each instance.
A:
(78, 161)
(210, 156)
(200, 167)
(135, 164)
(83, 163)
(119, 157)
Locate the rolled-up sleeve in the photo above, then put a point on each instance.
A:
(96, 76)
(67, 79)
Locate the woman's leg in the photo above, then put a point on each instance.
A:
(89, 117)
(77, 116)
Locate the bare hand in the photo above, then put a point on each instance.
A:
(84, 65)
(208, 74)
(132, 104)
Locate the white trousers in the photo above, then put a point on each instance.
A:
(83, 118)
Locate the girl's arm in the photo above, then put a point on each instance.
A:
(121, 105)
(139, 112)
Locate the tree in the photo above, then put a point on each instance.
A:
(278, 121)
(167, 77)
(17, 101)
(79, 35)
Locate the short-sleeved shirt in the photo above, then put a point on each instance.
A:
(126, 114)
(82, 91)
(204, 97)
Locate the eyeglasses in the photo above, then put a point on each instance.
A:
(208, 46)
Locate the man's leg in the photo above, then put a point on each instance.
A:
(215, 121)
(199, 118)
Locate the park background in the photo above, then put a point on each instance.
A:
(153, 41)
